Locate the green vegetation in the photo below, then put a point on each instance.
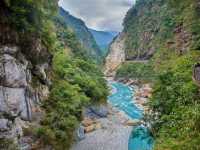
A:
(76, 80)
(136, 70)
(83, 34)
(176, 101)
(171, 29)
(8, 145)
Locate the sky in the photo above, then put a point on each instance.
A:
(104, 15)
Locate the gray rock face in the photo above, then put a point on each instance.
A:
(12, 101)
(14, 72)
(4, 125)
(19, 99)
(116, 55)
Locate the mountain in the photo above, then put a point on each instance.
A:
(45, 75)
(103, 39)
(83, 34)
(162, 46)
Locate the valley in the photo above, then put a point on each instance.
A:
(65, 85)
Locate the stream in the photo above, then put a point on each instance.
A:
(122, 97)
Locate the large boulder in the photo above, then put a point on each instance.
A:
(96, 112)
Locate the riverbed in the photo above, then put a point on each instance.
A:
(115, 134)
(123, 99)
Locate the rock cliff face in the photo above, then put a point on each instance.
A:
(116, 55)
(150, 23)
(23, 83)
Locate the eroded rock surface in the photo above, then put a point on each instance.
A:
(116, 55)
(20, 96)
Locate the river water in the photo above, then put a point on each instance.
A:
(122, 97)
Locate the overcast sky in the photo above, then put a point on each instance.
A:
(99, 14)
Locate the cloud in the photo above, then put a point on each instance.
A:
(99, 14)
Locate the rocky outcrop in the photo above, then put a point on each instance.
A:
(151, 26)
(182, 39)
(116, 55)
(22, 86)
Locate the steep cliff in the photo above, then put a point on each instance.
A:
(166, 32)
(24, 82)
(150, 25)
(116, 55)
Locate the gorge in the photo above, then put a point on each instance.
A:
(56, 74)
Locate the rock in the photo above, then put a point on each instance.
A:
(4, 125)
(14, 73)
(9, 50)
(40, 72)
(132, 122)
(19, 99)
(89, 128)
(98, 126)
(26, 143)
(116, 55)
(96, 112)
(101, 111)
(81, 133)
(87, 122)
(10, 129)
(15, 102)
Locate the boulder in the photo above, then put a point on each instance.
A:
(87, 122)
(96, 112)
(4, 125)
(98, 126)
(133, 122)
(100, 111)
(89, 128)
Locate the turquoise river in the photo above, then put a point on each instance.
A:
(122, 97)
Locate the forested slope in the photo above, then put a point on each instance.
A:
(103, 39)
(83, 35)
(167, 34)
(46, 75)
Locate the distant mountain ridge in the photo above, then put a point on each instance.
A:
(83, 33)
(103, 39)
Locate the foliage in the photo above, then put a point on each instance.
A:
(176, 101)
(63, 110)
(83, 34)
(76, 83)
(76, 80)
(136, 70)
(161, 25)
(30, 15)
(150, 24)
